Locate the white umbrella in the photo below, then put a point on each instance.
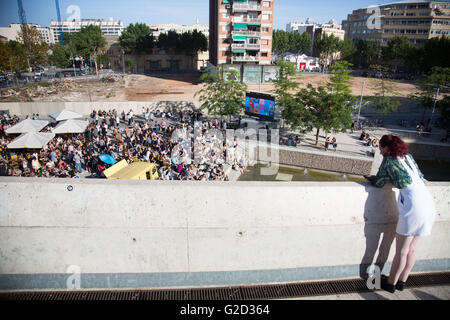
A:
(71, 126)
(31, 140)
(65, 115)
(27, 125)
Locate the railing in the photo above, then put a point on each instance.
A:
(247, 20)
(246, 46)
(245, 58)
(246, 33)
(246, 6)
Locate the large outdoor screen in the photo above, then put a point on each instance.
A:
(260, 105)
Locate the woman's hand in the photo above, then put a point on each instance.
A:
(371, 179)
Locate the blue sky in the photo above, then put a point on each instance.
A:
(173, 11)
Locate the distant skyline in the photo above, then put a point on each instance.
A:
(174, 11)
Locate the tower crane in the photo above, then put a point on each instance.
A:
(58, 13)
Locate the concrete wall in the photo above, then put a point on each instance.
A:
(323, 160)
(141, 234)
(85, 108)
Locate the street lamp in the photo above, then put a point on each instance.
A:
(360, 103)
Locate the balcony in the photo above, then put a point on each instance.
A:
(246, 33)
(247, 20)
(245, 58)
(246, 7)
(249, 46)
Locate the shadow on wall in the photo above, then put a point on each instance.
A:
(381, 206)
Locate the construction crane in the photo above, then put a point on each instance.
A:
(61, 37)
(23, 22)
(22, 15)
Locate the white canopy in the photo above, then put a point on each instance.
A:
(71, 126)
(31, 140)
(65, 115)
(27, 125)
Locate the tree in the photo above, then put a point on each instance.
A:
(36, 48)
(327, 46)
(444, 107)
(89, 41)
(384, 88)
(341, 80)
(17, 56)
(348, 49)
(300, 43)
(426, 95)
(60, 56)
(137, 38)
(435, 53)
(280, 42)
(224, 98)
(399, 51)
(319, 109)
(4, 58)
(367, 53)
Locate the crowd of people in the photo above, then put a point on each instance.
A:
(196, 152)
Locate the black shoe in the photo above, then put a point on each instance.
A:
(400, 286)
(385, 285)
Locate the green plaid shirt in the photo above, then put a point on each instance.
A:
(392, 170)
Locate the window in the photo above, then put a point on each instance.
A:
(265, 17)
(266, 4)
(265, 29)
(265, 42)
(263, 54)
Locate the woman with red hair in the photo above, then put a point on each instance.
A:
(415, 204)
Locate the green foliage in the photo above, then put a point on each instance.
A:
(435, 53)
(187, 42)
(300, 43)
(220, 97)
(327, 46)
(341, 79)
(318, 108)
(4, 58)
(284, 82)
(367, 53)
(426, 95)
(384, 88)
(89, 41)
(35, 46)
(348, 49)
(280, 41)
(400, 52)
(17, 56)
(137, 38)
(60, 56)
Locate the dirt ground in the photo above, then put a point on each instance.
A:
(164, 88)
(183, 87)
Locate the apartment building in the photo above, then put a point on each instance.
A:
(417, 20)
(110, 28)
(12, 31)
(164, 28)
(241, 31)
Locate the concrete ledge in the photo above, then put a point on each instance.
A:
(321, 160)
(11, 282)
(164, 234)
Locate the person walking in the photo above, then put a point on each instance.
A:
(416, 207)
(352, 127)
(334, 143)
(327, 143)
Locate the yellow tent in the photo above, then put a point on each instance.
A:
(133, 171)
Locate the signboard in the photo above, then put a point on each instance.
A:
(252, 74)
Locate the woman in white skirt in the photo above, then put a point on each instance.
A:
(415, 205)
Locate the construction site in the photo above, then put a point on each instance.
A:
(170, 87)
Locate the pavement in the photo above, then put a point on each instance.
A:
(421, 293)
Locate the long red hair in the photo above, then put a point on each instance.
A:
(396, 146)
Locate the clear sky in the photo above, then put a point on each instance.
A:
(173, 11)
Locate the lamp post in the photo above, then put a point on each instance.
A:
(434, 108)
(360, 103)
